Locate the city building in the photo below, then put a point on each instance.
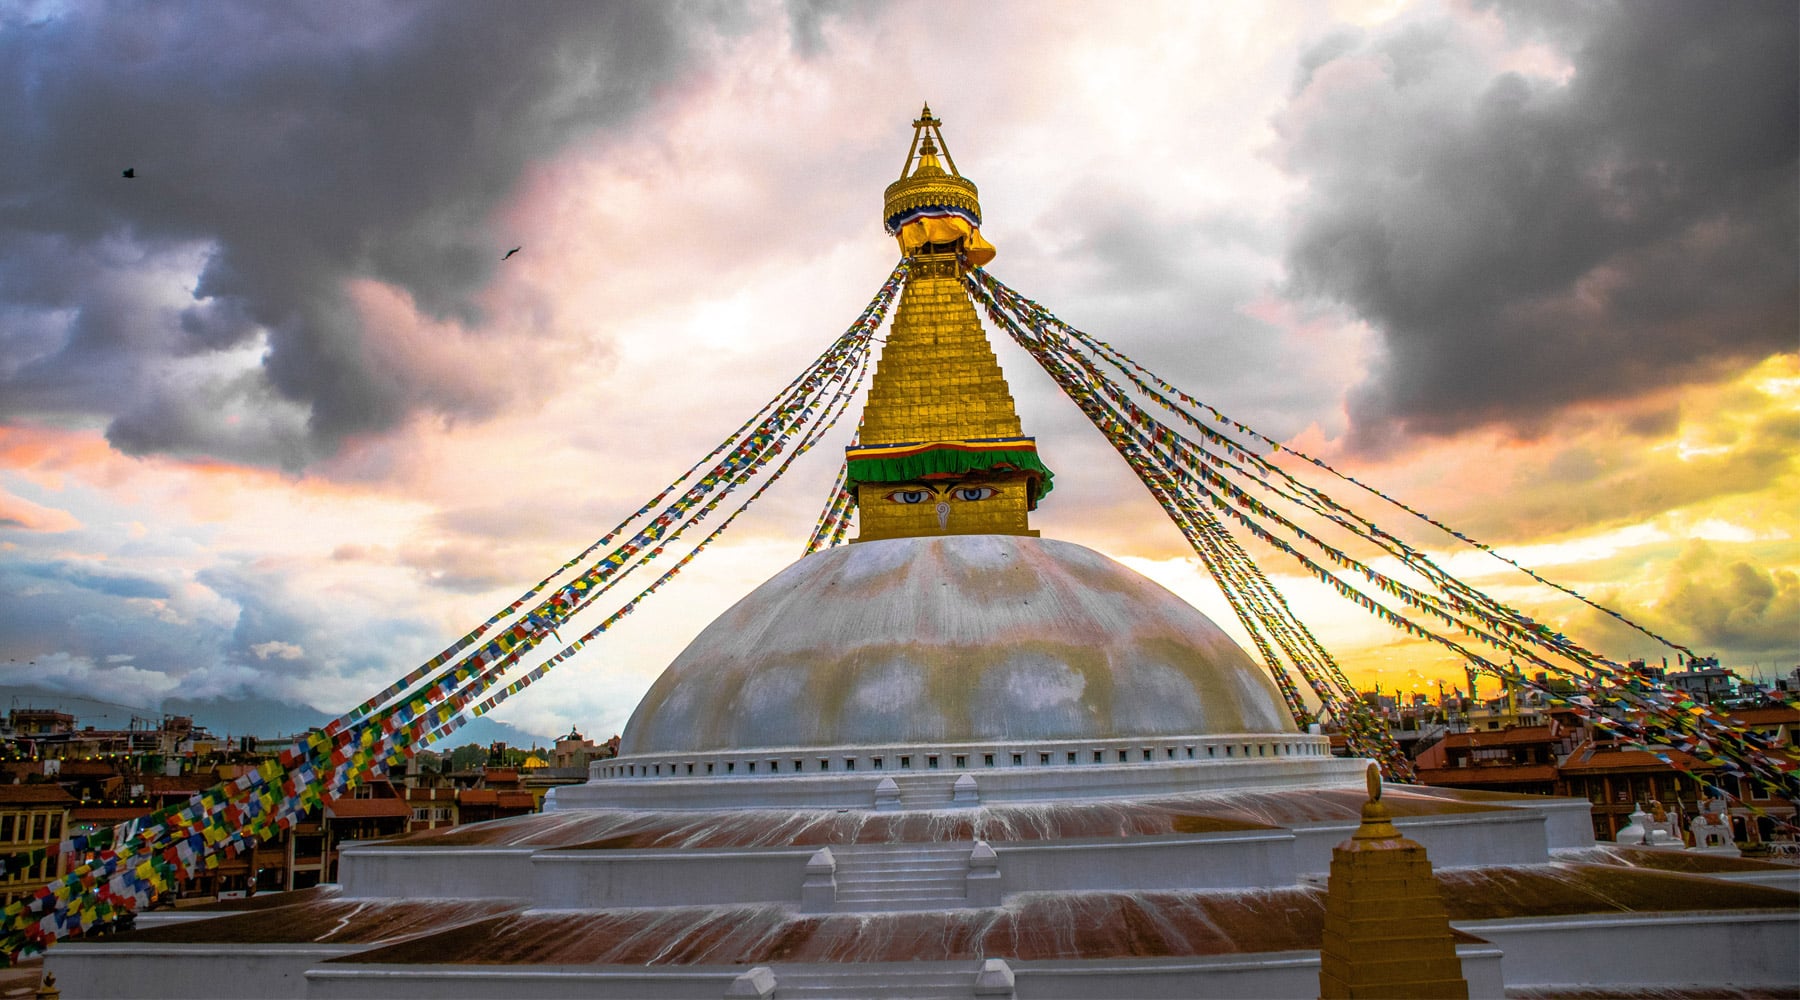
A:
(32, 817)
(1518, 742)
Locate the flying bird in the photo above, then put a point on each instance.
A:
(509, 253)
(129, 172)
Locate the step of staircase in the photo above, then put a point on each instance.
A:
(904, 866)
(932, 892)
(866, 885)
(907, 987)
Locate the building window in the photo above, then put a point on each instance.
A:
(1212, 751)
(875, 762)
(690, 769)
(1171, 753)
(962, 760)
(1227, 751)
(905, 763)
(797, 765)
(775, 767)
(1190, 753)
(824, 763)
(931, 762)
(849, 763)
(987, 760)
(1148, 753)
(709, 767)
(1099, 757)
(1044, 759)
(730, 766)
(1071, 756)
(1124, 756)
(752, 767)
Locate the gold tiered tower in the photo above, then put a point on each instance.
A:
(942, 451)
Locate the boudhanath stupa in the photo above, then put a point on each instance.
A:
(957, 759)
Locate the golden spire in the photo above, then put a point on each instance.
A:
(942, 450)
(1386, 931)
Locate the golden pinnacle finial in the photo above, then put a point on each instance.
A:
(1377, 822)
(931, 199)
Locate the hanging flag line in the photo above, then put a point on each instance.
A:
(444, 657)
(840, 507)
(1516, 633)
(1133, 370)
(1291, 489)
(833, 412)
(1187, 452)
(837, 505)
(1365, 734)
(251, 807)
(1169, 484)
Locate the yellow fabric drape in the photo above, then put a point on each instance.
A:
(946, 229)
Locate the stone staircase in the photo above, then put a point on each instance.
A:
(926, 791)
(882, 877)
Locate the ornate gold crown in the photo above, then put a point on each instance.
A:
(930, 184)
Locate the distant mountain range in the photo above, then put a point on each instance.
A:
(262, 717)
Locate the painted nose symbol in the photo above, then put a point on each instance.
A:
(943, 513)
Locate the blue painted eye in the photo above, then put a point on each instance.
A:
(909, 496)
(969, 494)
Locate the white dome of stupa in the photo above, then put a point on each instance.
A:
(959, 639)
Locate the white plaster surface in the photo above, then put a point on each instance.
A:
(183, 972)
(1755, 948)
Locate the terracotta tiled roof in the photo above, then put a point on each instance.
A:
(1772, 716)
(34, 795)
(368, 809)
(478, 797)
(168, 784)
(430, 795)
(88, 769)
(1591, 758)
(515, 800)
(1515, 736)
(105, 814)
(1488, 775)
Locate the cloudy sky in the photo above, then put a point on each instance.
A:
(276, 421)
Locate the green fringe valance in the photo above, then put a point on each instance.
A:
(947, 461)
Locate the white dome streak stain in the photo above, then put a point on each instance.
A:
(960, 638)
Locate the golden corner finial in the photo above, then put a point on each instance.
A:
(925, 117)
(1377, 822)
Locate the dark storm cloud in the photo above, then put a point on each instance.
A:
(280, 151)
(1715, 601)
(1522, 244)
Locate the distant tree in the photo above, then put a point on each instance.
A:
(468, 756)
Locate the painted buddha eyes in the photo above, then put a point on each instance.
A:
(966, 494)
